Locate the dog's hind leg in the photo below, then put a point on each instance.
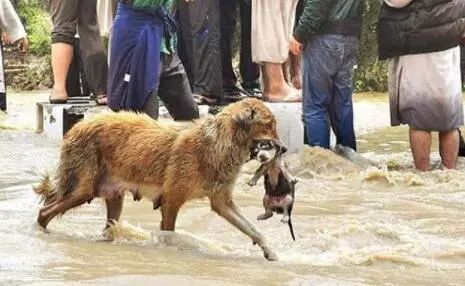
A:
(223, 205)
(74, 199)
(170, 205)
(114, 208)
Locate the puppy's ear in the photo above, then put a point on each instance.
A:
(245, 117)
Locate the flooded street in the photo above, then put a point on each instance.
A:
(381, 225)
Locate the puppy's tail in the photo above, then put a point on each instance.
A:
(46, 190)
(291, 229)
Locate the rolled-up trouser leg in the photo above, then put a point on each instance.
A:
(91, 45)
(200, 29)
(64, 17)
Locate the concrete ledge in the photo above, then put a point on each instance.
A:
(289, 124)
(55, 119)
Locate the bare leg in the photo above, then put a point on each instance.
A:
(275, 86)
(62, 54)
(420, 143)
(448, 148)
(268, 213)
(114, 208)
(295, 71)
(223, 205)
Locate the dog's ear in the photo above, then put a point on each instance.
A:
(245, 117)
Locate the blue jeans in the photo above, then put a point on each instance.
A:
(327, 89)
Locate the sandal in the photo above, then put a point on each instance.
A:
(57, 100)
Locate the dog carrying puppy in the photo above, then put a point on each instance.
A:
(279, 183)
(108, 154)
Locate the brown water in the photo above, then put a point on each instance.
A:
(375, 226)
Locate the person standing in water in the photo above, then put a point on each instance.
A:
(421, 39)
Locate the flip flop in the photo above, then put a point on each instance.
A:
(57, 100)
(290, 98)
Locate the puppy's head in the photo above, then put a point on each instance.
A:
(253, 119)
(265, 150)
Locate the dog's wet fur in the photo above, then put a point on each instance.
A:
(114, 153)
(279, 183)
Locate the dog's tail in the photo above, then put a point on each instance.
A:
(291, 229)
(46, 190)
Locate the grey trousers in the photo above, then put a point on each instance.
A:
(71, 16)
(200, 29)
(174, 90)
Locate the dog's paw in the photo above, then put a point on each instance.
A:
(269, 254)
(294, 181)
(285, 219)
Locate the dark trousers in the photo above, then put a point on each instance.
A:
(2, 94)
(69, 16)
(200, 34)
(327, 91)
(174, 90)
(250, 72)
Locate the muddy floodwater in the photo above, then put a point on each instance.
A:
(378, 225)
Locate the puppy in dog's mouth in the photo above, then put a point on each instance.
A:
(279, 183)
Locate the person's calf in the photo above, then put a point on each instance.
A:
(420, 144)
(448, 148)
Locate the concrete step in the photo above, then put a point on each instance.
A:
(56, 119)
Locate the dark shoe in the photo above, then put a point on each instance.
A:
(233, 94)
(252, 88)
(213, 110)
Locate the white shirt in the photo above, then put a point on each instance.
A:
(10, 22)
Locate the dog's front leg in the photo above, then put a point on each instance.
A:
(260, 171)
(222, 204)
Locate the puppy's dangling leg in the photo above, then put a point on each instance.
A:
(268, 213)
(285, 218)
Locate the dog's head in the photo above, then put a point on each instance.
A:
(265, 150)
(253, 119)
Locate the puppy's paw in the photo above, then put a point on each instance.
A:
(252, 183)
(285, 219)
(264, 216)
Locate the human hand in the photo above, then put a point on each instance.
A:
(5, 38)
(23, 44)
(295, 46)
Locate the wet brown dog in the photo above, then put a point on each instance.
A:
(116, 152)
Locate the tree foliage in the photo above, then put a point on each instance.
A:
(371, 74)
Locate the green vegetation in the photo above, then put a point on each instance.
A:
(38, 26)
(371, 74)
